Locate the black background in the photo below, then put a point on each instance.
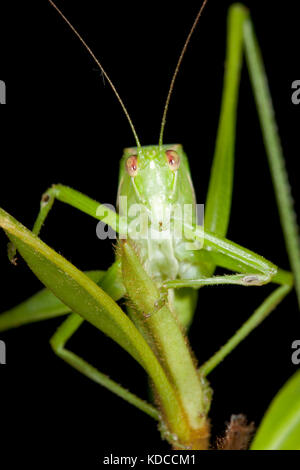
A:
(63, 124)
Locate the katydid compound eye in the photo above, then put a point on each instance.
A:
(131, 165)
(173, 159)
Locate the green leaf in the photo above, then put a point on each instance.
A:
(41, 306)
(73, 287)
(280, 427)
(88, 300)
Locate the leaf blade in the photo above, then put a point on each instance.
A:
(87, 299)
(40, 306)
(280, 427)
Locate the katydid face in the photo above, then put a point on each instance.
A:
(156, 175)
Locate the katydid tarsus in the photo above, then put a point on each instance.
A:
(150, 273)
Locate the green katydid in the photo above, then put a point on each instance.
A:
(151, 273)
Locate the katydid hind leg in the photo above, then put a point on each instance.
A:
(45, 306)
(240, 34)
(58, 341)
(218, 202)
(274, 150)
(262, 312)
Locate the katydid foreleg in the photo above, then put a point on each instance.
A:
(73, 198)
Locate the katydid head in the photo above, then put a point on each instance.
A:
(153, 171)
(155, 175)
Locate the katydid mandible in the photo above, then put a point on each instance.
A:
(151, 271)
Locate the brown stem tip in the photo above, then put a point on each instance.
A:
(237, 435)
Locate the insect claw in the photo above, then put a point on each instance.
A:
(253, 280)
(14, 261)
(45, 199)
(11, 253)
